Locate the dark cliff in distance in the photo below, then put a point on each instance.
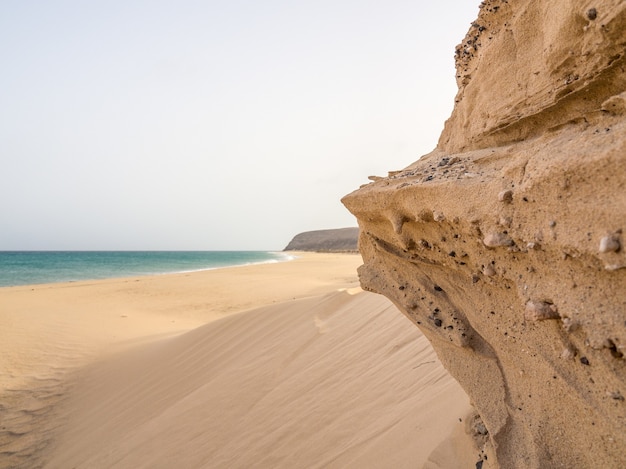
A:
(338, 240)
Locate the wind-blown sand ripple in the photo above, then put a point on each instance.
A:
(335, 379)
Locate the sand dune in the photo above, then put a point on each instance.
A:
(334, 379)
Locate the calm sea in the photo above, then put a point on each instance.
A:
(34, 267)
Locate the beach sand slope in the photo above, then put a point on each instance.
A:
(334, 379)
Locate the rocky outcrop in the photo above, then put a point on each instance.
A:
(338, 240)
(505, 245)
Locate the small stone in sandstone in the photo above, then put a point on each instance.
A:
(540, 311)
(505, 221)
(609, 244)
(480, 428)
(506, 196)
(493, 240)
(569, 325)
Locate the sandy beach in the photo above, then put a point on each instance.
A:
(277, 365)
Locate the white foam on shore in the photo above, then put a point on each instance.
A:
(286, 258)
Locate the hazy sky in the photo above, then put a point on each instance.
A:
(147, 124)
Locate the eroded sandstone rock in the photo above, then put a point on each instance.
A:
(528, 185)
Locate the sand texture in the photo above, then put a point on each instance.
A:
(505, 244)
(182, 371)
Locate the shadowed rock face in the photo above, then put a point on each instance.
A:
(505, 245)
(339, 240)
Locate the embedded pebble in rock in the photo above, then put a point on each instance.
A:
(481, 429)
(493, 240)
(540, 311)
(489, 271)
(569, 325)
(506, 196)
(505, 221)
(609, 244)
(567, 354)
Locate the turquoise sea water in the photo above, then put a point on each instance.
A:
(35, 267)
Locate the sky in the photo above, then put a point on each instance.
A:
(211, 125)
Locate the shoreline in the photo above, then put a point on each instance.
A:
(281, 256)
(152, 303)
(293, 256)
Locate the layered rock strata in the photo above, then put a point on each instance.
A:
(505, 245)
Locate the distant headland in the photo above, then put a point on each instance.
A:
(337, 240)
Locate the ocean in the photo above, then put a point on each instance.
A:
(36, 267)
